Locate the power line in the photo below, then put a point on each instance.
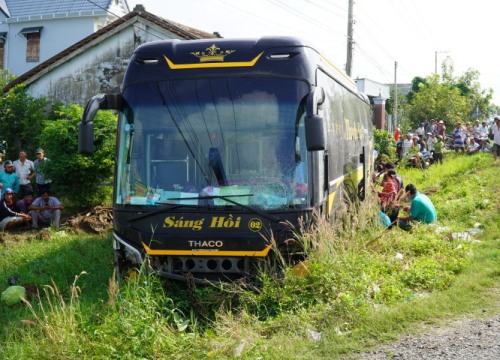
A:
(126, 21)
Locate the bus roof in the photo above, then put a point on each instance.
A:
(265, 56)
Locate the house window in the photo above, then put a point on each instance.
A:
(33, 47)
(33, 43)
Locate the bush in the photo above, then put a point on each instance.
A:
(86, 180)
(385, 144)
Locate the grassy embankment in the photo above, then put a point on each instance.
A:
(362, 286)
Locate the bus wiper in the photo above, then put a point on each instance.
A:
(227, 198)
(159, 211)
(208, 197)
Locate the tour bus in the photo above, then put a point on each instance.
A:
(227, 147)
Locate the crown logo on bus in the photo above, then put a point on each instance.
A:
(212, 54)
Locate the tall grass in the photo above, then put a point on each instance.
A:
(360, 284)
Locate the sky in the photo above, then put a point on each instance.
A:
(418, 35)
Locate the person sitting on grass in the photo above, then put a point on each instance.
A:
(421, 209)
(10, 215)
(45, 209)
(474, 147)
(24, 204)
(388, 195)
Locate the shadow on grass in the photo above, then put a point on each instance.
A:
(59, 257)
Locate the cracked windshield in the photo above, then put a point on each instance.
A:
(214, 142)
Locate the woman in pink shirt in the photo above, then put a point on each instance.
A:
(388, 195)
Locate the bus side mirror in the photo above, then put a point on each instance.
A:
(86, 127)
(85, 137)
(315, 133)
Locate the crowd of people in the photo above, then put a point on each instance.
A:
(427, 143)
(393, 193)
(18, 205)
(427, 138)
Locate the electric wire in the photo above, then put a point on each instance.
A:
(125, 21)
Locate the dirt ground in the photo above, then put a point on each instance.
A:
(99, 220)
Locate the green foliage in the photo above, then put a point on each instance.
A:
(21, 118)
(161, 327)
(359, 284)
(385, 144)
(87, 179)
(448, 98)
(438, 100)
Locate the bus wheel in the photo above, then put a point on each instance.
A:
(124, 268)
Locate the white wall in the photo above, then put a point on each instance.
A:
(56, 35)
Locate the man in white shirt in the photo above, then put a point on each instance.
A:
(420, 131)
(407, 144)
(431, 139)
(477, 130)
(495, 129)
(25, 170)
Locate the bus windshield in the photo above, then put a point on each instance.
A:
(214, 142)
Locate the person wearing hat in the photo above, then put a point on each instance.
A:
(431, 140)
(441, 129)
(495, 130)
(469, 129)
(8, 177)
(42, 184)
(9, 213)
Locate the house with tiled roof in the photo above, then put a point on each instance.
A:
(97, 63)
(32, 31)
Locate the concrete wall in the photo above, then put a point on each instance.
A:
(97, 69)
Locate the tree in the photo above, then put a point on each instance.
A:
(479, 100)
(21, 118)
(85, 179)
(415, 87)
(443, 101)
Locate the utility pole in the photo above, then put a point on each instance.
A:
(350, 41)
(435, 62)
(395, 94)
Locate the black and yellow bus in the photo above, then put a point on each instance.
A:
(224, 146)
